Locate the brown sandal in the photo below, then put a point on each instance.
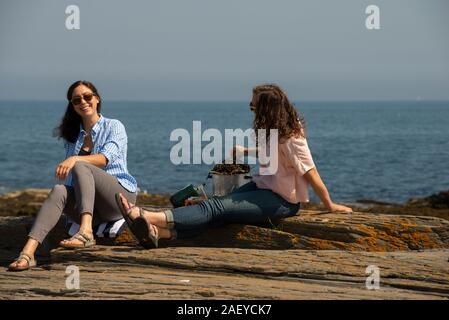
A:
(139, 227)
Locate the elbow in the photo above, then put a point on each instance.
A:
(311, 175)
(103, 160)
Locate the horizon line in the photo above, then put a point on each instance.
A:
(233, 100)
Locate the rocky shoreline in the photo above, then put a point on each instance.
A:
(28, 201)
(315, 255)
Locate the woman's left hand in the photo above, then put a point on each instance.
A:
(63, 169)
(193, 200)
(338, 208)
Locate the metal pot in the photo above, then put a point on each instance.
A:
(222, 184)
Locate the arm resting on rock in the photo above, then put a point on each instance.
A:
(313, 177)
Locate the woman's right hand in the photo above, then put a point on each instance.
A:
(338, 208)
(238, 152)
(63, 169)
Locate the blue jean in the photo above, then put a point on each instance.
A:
(245, 205)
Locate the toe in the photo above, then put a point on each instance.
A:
(18, 264)
(22, 263)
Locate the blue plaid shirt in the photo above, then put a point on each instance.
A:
(110, 139)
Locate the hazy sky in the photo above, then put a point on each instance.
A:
(219, 49)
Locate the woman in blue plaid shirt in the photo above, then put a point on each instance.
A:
(94, 170)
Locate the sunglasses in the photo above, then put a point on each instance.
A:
(78, 99)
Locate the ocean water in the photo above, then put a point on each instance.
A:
(386, 151)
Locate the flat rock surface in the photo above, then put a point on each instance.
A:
(314, 255)
(220, 273)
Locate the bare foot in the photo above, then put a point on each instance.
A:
(134, 213)
(21, 263)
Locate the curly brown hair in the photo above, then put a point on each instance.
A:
(274, 111)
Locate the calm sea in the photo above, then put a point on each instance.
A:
(386, 151)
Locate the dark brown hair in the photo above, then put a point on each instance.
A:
(274, 111)
(69, 128)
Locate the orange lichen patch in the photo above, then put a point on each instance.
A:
(322, 245)
(371, 244)
(318, 244)
(390, 229)
(383, 240)
(400, 236)
(407, 224)
(367, 230)
(419, 240)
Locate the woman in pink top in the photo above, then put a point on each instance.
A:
(266, 199)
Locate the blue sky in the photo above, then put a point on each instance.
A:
(218, 50)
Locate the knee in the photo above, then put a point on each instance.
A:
(79, 166)
(59, 189)
(59, 192)
(294, 210)
(213, 207)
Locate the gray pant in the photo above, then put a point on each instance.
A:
(93, 192)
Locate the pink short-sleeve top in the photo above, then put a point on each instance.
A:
(294, 160)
